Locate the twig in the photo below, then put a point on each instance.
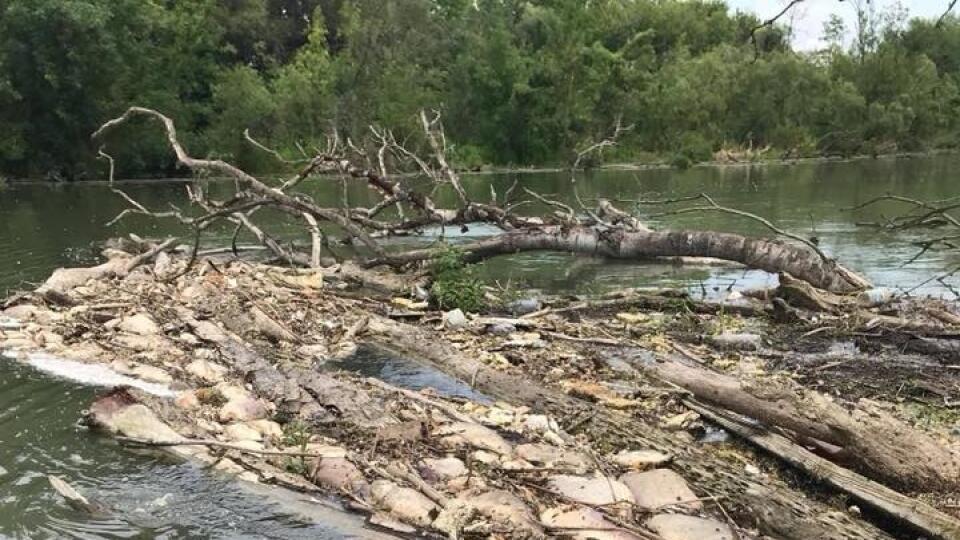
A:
(271, 151)
(149, 254)
(565, 207)
(109, 158)
(597, 341)
(708, 498)
(191, 261)
(945, 13)
(769, 22)
(416, 396)
(229, 446)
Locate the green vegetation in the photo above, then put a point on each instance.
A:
(454, 283)
(519, 81)
(296, 434)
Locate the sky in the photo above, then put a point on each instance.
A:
(809, 16)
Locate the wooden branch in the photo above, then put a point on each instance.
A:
(149, 254)
(228, 446)
(103, 155)
(768, 23)
(598, 146)
(945, 13)
(271, 151)
(315, 240)
(569, 214)
(433, 129)
(222, 167)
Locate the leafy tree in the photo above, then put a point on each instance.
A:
(518, 81)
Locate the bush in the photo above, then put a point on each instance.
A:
(693, 148)
(454, 284)
(468, 157)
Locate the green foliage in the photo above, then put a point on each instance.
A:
(296, 434)
(520, 82)
(692, 148)
(454, 283)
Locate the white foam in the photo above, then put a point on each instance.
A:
(91, 374)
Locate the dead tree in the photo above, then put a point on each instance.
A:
(604, 231)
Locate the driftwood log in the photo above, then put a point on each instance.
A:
(873, 439)
(921, 516)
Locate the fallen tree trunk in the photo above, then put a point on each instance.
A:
(56, 287)
(623, 237)
(776, 509)
(763, 254)
(907, 509)
(880, 444)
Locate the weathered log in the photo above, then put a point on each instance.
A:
(803, 295)
(772, 506)
(921, 516)
(880, 444)
(667, 300)
(800, 294)
(63, 280)
(760, 253)
(292, 388)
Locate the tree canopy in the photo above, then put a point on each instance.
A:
(519, 81)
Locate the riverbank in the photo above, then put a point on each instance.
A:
(579, 414)
(654, 163)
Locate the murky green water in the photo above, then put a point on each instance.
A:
(44, 226)
(149, 494)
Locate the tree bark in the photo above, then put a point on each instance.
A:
(763, 254)
(874, 440)
(925, 518)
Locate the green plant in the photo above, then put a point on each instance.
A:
(297, 434)
(454, 283)
(468, 157)
(693, 148)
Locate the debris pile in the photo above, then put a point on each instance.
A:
(610, 441)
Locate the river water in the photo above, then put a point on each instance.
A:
(43, 226)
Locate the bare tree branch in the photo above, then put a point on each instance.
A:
(945, 13)
(277, 195)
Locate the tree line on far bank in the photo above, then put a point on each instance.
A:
(519, 82)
